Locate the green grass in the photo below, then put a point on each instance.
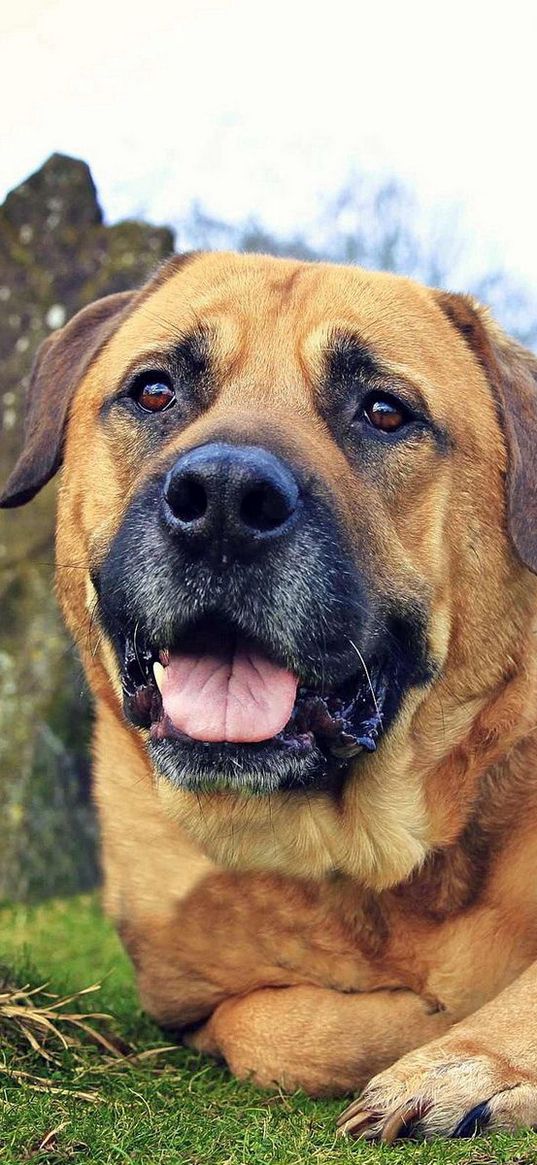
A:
(190, 1111)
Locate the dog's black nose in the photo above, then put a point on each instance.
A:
(230, 497)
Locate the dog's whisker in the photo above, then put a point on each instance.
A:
(368, 677)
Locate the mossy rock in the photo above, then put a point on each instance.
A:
(56, 255)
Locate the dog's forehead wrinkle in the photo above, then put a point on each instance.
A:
(331, 298)
(323, 295)
(170, 322)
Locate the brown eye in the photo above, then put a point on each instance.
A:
(385, 413)
(154, 394)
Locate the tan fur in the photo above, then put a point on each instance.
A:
(413, 891)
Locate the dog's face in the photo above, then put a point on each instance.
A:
(286, 482)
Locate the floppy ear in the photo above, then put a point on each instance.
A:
(512, 374)
(59, 366)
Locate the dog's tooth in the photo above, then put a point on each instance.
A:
(158, 672)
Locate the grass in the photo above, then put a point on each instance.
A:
(84, 1105)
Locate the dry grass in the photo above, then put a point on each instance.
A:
(37, 1020)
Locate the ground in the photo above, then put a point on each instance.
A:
(178, 1108)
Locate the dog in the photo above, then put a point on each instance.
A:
(297, 549)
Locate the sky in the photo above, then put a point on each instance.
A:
(261, 109)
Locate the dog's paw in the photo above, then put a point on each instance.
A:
(442, 1092)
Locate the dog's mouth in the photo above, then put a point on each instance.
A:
(220, 708)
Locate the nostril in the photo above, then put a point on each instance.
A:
(232, 494)
(187, 498)
(265, 508)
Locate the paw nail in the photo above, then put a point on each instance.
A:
(400, 1123)
(355, 1124)
(356, 1106)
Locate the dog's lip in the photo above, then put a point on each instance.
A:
(339, 729)
(343, 721)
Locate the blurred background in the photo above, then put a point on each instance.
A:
(397, 136)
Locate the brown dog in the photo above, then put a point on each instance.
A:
(306, 496)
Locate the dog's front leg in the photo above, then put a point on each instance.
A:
(320, 1040)
(481, 1075)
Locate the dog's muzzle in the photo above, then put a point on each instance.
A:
(251, 650)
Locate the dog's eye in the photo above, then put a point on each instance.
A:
(385, 413)
(153, 393)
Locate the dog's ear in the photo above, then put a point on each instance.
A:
(60, 364)
(512, 374)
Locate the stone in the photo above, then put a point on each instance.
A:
(56, 255)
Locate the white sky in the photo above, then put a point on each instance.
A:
(260, 108)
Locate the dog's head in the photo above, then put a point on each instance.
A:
(296, 500)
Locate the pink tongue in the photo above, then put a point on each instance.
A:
(244, 698)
